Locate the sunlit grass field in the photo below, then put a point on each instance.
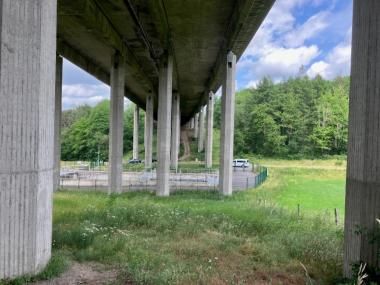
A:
(253, 237)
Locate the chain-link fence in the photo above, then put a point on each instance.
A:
(183, 179)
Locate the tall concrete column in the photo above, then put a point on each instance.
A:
(227, 126)
(176, 131)
(164, 126)
(210, 129)
(196, 125)
(57, 122)
(148, 135)
(363, 167)
(201, 130)
(115, 168)
(136, 123)
(27, 87)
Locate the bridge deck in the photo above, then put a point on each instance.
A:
(198, 33)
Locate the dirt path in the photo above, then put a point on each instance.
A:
(86, 273)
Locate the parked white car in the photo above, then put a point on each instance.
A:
(244, 163)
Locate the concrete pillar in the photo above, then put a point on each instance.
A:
(196, 125)
(57, 122)
(210, 129)
(227, 126)
(115, 168)
(201, 130)
(176, 131)
(136, 123)
(148, 135)
(27, 87)
(164, 126)
(363, 167)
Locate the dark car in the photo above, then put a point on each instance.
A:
(134, 161)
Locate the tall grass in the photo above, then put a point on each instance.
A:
(195, 238)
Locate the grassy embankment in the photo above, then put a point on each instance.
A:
(202, 238)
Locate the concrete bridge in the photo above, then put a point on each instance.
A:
(169, 57)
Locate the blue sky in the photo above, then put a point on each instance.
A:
(315, 34)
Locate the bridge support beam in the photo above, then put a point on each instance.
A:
(164, 126)
(196, 125)
(201, 130)
(227, 126)
(363, 169)
(27, 80)
(115, 168)
(136, 124)
(176, 131)
(57, 122)
(148, 132)
(210, 129)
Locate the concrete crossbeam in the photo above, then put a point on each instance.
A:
(27, 80)
(148, 131)
(363, 167)
(164, 126)
(209, 130)
(227, 126)
(176, 131)
(57, 122)
(115, 169)
(136, 124)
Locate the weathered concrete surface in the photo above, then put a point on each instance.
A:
(116, 125)
(227, 126)
(57, 122)
(176, 131)
(197, 32)
(136, 124)
(209, 130)
(27, 80)
(164, 126)
(196, 125)
(148, 132)
(201, 130)
(363, 167)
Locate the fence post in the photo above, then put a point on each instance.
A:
(95, 183)
(298, 210)
(336, 216)
(78, 181)
(247, 183)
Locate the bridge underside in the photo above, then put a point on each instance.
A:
(197, 34)
(168, 56)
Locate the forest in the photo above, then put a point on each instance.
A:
(300, 117)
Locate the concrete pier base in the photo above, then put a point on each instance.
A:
(209, 130)
(27, 80)
(227, 126)
(136, 124)
(57, 122)
(363, 166)
(164, 126)
(148, 132)
(115, 169)
(176, 131)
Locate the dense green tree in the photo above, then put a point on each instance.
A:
(87, 137)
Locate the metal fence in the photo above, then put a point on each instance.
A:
(184, 179)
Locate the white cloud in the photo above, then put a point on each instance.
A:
(279, 63)
(337, 61)
(74, 95)
(312, 27)
(283, 44)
